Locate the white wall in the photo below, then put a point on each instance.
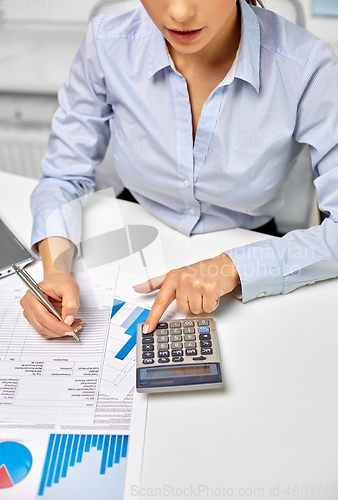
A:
(323, 27)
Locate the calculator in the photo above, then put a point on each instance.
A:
(179, 355)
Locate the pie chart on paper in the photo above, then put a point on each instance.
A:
(15, 463)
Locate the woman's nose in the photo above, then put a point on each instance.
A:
(181, 10)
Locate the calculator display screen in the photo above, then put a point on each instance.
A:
(179, 371)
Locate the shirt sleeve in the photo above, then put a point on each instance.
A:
(77, 144)
(303, 256)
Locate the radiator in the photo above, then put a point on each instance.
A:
(21, 150)
(24, 130)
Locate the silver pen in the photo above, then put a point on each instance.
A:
(36, 291)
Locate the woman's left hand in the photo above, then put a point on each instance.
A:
(196, 288)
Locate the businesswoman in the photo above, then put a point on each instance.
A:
(212, 103)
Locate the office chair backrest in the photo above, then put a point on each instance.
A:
(115, 7)
(290, 9)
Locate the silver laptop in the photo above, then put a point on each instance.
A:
(12, 251)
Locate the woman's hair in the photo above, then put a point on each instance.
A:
(255, 2)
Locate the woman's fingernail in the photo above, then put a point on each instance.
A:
(69, 333)
(68, 320)
(78, 327)
(146, 328)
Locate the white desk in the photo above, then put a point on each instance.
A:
(275, 423)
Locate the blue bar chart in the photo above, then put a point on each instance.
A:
(84, 466)
(119, 372)
(138, 315)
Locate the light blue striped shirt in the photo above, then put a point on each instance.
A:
(284, 94)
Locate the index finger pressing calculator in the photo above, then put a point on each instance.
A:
(179, 355)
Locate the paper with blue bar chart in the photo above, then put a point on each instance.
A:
(70, 465)
(129, 309)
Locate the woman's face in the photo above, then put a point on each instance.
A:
(190, 25)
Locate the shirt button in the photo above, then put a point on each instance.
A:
(260, 294)
(192, 211)
(186, 183)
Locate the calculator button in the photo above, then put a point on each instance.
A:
(163, 345)
(160, 326)
(199, 358)
(204, 336)
(146, 334)
(177, 352)
(147, 340)
(206, 350)
(147, 361)
(188, 323)
(163, 360)
(177, 331)
(161, 332)
(189, 330)
(191, 343)
(147, 354)
(203, 329)
(203, 322)
(147, 347)
(176, 345)
(177, 358)
(190, 336)
(176, 338)
(191, 352)
(175, 324)
(163, 354)
(162, 338)
(205, 343)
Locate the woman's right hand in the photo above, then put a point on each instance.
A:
(61, 289)
(63, 292)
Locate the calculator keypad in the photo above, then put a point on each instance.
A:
(177, 340)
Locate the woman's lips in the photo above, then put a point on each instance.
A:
(184, 36)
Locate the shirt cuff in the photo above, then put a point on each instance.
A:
(63, 221)
(259, 270)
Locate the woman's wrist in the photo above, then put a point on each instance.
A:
(56, 254)
(231, 269)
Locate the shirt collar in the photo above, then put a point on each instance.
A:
(249, 52)
(247, 67)
(159, 57)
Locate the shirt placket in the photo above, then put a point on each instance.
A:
(191, 158)
(206, 128)
(184, 153)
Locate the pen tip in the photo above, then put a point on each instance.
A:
(76, 337)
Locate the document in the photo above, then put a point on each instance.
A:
(53, 380)
(70, 408)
